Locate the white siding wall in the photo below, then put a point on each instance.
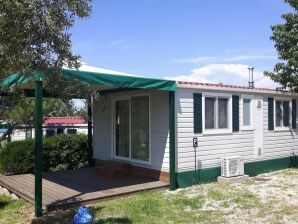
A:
(102, 130)
(213, 147)
(159, 131)
(18, 135)
(102, 139)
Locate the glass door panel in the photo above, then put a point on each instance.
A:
(122, 128)
(140, 128)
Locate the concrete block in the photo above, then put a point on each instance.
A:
(232, 180)
(15, 197)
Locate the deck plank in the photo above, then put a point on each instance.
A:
(74, 187)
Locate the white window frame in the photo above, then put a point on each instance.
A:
(282, 128)
(252, 105)
(217, 130)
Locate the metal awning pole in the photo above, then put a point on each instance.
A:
(38, 148)
(172, 120)
(90, 136)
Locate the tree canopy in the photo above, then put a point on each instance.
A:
(34, 35)
(285, 37)
(17, 111)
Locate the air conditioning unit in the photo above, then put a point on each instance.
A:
(232, 166)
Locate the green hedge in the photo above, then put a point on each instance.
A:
(60, 152)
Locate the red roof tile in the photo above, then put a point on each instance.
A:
(63, 120)
(222, 85)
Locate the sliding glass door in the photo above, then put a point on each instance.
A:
(140, 128)
(133, 128)
(122, 128)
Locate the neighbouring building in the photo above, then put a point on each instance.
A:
(54, 126)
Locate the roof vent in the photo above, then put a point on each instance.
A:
(281, 89)
(251, 82)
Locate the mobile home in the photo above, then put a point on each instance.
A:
(255, 124)
(151, 125)
(53, 126)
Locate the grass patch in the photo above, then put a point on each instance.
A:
(216, 195)
(14, 211)
(144, 207)
(246, 199)
(151, 207)
(287, 172)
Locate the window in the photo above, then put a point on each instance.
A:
(247, 112)
(282, 113)
(217, 113)
(71, 131)
(60, 131)
(210, 112)
(50, 132)
(28, 133)
(286, 113)
(222, 113)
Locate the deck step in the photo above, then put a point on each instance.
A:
(113, 168)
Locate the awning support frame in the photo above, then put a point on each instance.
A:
(90, 134)
(172, 121)
(38, 148)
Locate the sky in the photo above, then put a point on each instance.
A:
(192, 40)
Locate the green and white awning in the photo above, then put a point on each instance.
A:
(98, 80)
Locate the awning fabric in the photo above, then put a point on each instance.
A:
(98, 79)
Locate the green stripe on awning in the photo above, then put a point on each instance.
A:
(100, 79)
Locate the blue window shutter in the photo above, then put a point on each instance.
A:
(270, 114)
(294, 108)
(235, 112)
(197, 113)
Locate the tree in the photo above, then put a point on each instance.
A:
(285, 37)
(83, 111)
(16, 110)
(34, 35)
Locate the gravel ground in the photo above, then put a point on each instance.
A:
(267, 198)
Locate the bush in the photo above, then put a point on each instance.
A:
(59, 153)
(17, 157)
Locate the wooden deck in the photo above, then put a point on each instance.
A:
(74, 187)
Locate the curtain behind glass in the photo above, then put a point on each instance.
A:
(246, 112)
(209, 112)
(286, 113)
(278, 113)
(122, 128)
(140, 128)
(222, 113)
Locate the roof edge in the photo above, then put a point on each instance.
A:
(231, 88)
